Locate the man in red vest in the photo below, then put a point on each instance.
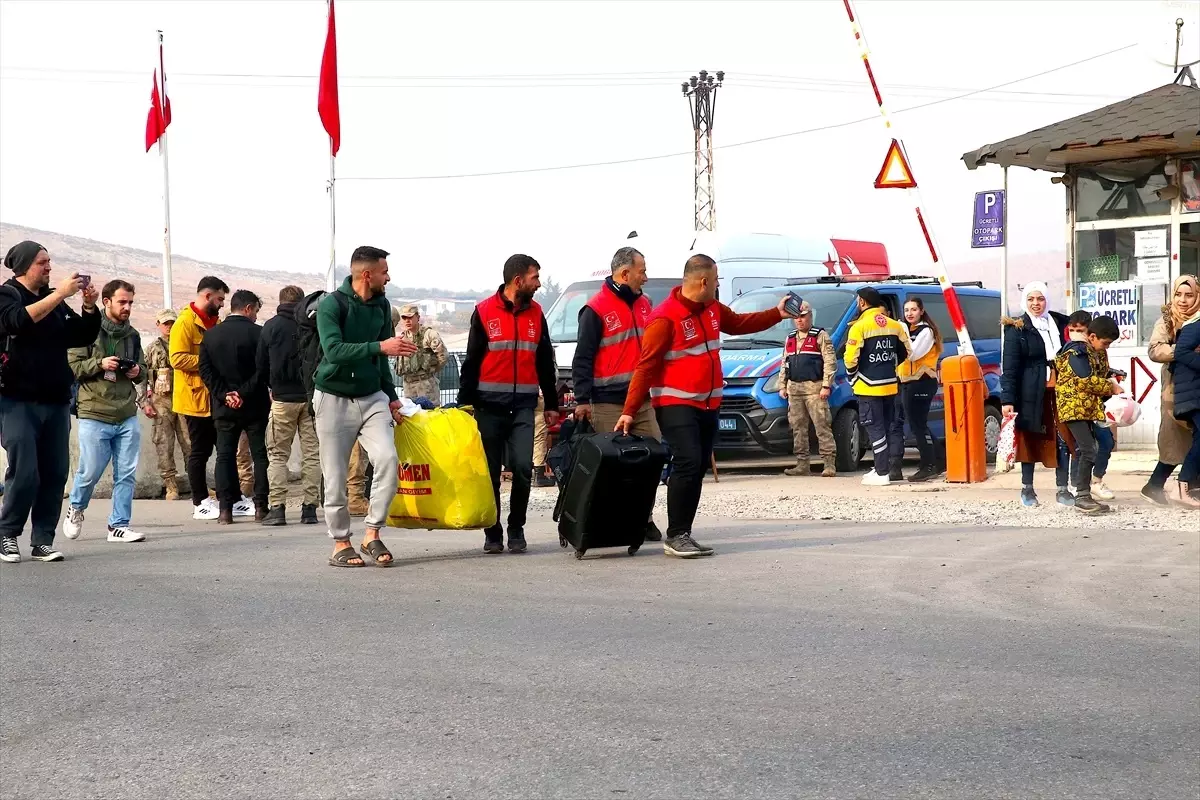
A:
(680, 370)
(607, 348)
(509, 357)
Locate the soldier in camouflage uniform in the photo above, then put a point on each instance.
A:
(168, 426)
(420, 371)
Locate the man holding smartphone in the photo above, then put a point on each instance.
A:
(36, 329)
(110, 373)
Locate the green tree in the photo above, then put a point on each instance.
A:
(550, 292)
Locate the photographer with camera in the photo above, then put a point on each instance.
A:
(36, 329)
(110, 373)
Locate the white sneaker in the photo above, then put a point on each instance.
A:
(207, 510)
(243, 507)
(73, 524)
(124, 535)
(873, 478)
(1102, 492)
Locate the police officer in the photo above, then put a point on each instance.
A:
(422, 370)
(875, 348)
(806, 373)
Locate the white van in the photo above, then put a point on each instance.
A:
(747, 261)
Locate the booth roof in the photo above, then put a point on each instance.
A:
(1161, 122)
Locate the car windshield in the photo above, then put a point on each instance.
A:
(563, 318)
(828, 305)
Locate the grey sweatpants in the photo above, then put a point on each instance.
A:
(341, 421)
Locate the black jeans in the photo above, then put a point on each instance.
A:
(229, 431)
(1062, 460)
(879, 415)
(203, 435)
(915, 399)
(1086, 449)
(35, 437)
(1191, 462)
(508, 434)
(690, 433)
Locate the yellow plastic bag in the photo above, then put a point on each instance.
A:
(444, 482)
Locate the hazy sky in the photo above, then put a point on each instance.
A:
(428, 89)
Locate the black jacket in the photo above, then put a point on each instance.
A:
(36, 369)
(477, 348)
(1023, 377)
(1186, 372)
(228, 363)
(279, 356)
(587, 344)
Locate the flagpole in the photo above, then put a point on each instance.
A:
(330, 273)
(162, 149)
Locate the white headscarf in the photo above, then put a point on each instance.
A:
(1043, 324)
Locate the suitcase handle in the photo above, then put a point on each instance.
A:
(634, 455)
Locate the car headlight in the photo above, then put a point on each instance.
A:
(773, 384)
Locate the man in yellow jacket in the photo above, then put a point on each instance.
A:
(875, 346)
(190, 399)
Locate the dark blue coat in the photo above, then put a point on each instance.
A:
(1023, 375)
(1186, 367)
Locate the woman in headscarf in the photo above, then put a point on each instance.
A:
(1027, 390)
(1174, 438)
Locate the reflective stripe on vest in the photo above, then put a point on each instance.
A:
(691, 373)
(509, 368)
(621, 338)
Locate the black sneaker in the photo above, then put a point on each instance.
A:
(921, 475)
(652, 533)
(1064, 497)
(895, 474)
(542, 480)
(1086, 505)
(517, 545)
(44, 552)
(684, 546)
(275, 516)
(9, 551)
(308, 514)
(492, 548)
(1155, 494)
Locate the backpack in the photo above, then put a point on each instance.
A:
(308, 340)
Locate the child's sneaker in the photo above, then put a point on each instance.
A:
(1101, 491)
(1029, 497)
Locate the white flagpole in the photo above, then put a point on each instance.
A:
(330, 277)
(162, 149)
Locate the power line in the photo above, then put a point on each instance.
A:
(760, 140)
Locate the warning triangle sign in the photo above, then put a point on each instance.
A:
(895, 173)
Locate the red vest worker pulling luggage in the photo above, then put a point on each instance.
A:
(680, 370)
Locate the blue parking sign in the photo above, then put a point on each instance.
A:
(988, 228)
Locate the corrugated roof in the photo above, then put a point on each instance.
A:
(1162, 121)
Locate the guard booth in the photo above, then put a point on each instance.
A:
(1131, 175)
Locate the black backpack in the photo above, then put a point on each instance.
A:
(308, 340)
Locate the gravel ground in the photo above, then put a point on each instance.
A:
(941, 504)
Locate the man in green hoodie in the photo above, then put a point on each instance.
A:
(110, 374)
(355, 400)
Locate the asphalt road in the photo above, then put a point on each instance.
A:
(805, 660)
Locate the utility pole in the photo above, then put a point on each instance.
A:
(701, 94)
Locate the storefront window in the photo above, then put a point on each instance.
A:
(1120, 190)
(1125, 274)
(1189, 184)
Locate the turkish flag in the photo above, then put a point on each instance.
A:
(159, 116)
(327, 93)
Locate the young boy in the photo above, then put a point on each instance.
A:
(1083, 386)
(1077, 328)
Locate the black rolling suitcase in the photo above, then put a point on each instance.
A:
(610, 493)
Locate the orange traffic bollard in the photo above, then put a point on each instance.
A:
(963, 392)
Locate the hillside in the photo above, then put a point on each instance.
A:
(105, 261)
(143, 268)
